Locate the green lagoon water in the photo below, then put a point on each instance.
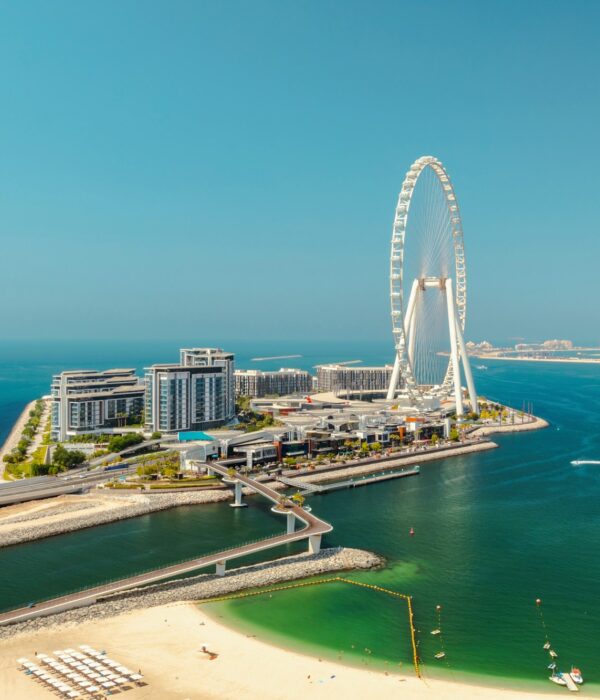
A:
(494, 531)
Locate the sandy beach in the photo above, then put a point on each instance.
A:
(15, 434)
(164, 644)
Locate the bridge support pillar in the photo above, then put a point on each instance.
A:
(220, 568)
(314, 544)
(291, 523)
(238, 503)
(210, 472)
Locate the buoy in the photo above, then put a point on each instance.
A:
(411, 531)
(438, 607)
(538, 601)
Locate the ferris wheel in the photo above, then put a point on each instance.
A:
(428, 289)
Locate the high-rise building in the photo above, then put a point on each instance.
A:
(336, 378)
(256, 383)
(84, 401)
(196, 394)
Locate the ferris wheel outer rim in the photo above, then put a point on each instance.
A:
(397, 265)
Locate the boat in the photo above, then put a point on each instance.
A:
(557, 678)
(547, 646)
(553, 654)
(576, 675)
(580, 462)
(480, 366)
(436, 632)
(441, 655)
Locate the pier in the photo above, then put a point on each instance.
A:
(347, 483)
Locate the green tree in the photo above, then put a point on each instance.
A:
(298, 499)
(376, 446)
(156, 435)
(66, 459)
(454, 436)
(122, 442)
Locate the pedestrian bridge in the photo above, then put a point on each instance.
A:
(312, 530)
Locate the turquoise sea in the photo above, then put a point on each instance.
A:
(493, 532)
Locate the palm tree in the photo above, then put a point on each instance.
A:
(298, 499)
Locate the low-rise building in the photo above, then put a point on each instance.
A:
(347, 378)
(87, 401)
(256, 383)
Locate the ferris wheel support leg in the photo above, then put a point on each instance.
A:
(394, 380)
(407, 321)
(411, 338)
(454, 347)
(467, 368)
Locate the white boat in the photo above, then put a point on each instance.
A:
(436, 632)
(579, 462)
(547, 646)
(576, 675)
(441, 655)
(558, 679)
(480, 366)
(553, 654)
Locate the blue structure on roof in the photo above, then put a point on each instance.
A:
(193, 435)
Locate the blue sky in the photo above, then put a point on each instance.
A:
(230, 169)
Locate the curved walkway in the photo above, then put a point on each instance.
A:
(313, 527)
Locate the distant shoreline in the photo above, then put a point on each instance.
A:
(568, 360)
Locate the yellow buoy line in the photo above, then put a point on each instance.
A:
(335, 579)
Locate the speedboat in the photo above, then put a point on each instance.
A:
(553, 654)
(440, 655)
(557, 678)
(576, 675)
(547, 646)
(436, 632)
(580, 462)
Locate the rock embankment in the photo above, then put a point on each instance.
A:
(108, 508)
(415, 458)
(209, 586)
(535, 424)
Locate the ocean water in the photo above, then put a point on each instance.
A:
(494, 531)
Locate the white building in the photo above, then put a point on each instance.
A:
(196, 394)
(337, 378)
(256, 383)
(87, 401)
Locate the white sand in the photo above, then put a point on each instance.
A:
(164, 643)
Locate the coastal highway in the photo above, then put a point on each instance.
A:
(74, 481)
(313, 527)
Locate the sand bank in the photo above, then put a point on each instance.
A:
(164, 643)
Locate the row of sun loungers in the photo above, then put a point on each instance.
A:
(73, 674)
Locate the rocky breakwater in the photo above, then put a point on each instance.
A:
(533, 424)
(105, 508)
(206, 586)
